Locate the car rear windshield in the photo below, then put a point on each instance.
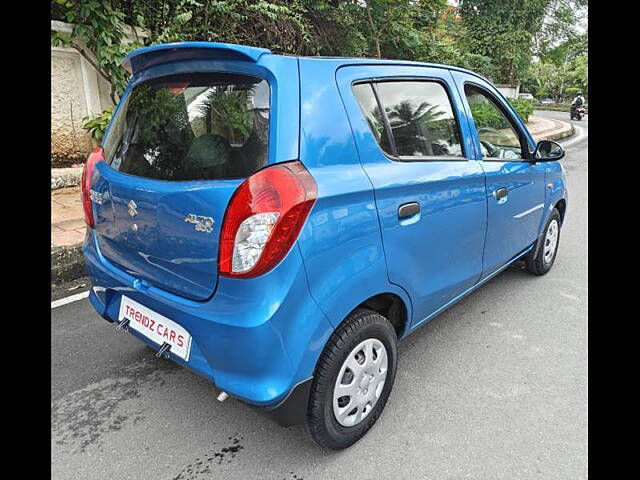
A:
(192, 127)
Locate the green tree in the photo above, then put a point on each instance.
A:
(559, 26)
(562, 71)
(503, 30)
(497, 38)
(98, 32)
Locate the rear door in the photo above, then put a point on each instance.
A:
(175, 153)
(515, 185)
(429, 190)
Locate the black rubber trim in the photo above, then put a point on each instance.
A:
(536, 249)
(293, 409)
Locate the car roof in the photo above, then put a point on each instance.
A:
(145, 57)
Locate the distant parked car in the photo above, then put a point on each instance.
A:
(546, 101)
(278, 224)
(526, 96)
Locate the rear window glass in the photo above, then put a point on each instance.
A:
(192, 127)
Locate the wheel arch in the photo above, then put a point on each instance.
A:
(390, 306)
(561, 206)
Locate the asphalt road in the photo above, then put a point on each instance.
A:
(494, 388)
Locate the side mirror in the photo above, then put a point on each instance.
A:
(548, 151)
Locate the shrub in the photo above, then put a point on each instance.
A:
(97, 124)
(486, 115)
(523, 106)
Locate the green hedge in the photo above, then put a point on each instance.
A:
(523, 107)
(486, 115)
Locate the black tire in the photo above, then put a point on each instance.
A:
(535, 262)
(359, 326)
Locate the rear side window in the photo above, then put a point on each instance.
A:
(418, 119)
(192, 127)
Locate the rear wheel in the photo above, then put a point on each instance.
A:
(541, 259)
(353, 379)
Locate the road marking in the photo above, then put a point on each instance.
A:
(575, 139)
(72, 298)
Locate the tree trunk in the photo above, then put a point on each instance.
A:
(374, 33)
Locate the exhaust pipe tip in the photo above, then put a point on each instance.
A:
(223, 396)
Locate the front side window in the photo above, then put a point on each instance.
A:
(192, 127)
(418, 116)
(498, 137)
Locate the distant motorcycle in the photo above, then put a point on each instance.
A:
(577, 112)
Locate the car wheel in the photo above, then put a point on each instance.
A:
(353, 379)
(541, 259)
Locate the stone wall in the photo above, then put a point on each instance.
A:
(69, 105)
(77, 91)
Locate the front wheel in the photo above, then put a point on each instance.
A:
(353, 379)
(541, 259)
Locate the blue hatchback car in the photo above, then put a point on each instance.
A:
(277, 223)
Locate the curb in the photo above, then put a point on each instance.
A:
(65, 177)
(566, 130)
(67, 263)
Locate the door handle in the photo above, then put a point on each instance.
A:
(500, 193)
(408, 209)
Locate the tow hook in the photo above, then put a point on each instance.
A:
(223, 396)
(164, 350)
(123, 324)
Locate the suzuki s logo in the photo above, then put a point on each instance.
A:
(203, 224)
(133, 208)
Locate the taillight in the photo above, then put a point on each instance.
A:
(95, 156)
(264, 218)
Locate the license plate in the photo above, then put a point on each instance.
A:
(156, 327)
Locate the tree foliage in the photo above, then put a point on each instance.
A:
(561, 72)
(503, 30)
(498, 38)
(98, 27)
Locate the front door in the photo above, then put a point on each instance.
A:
(515, 185)
(429, 189)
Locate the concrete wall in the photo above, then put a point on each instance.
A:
(509, 91)
(74, 94)
(77, 91)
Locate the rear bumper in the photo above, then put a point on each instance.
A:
(257, 339)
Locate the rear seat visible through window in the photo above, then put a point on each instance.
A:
(192, 127)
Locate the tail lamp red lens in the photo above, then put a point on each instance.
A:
(95, 156)
(263, 219)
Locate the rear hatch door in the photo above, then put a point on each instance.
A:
(176, 151)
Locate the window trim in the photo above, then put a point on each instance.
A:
(524, 145)
(373, 81)
(385, 121)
